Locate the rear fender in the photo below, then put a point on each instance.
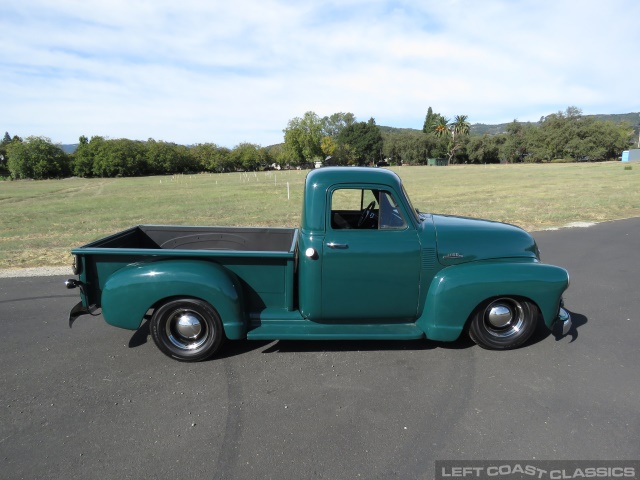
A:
(131, 291)
(456, 291)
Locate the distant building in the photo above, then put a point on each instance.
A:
(632, 155)
(437, 162)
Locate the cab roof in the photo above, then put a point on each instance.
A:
(327, 176)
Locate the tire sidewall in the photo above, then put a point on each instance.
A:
(483, 338)
(209, 316)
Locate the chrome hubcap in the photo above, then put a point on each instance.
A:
(188, 326)
(186, 330)
(499, 316)
(504, 317)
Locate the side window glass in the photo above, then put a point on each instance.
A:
(390, 216)
(358, 209)
(346, 199)
(354, 209)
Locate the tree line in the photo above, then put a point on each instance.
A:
(338, 139)
(562, 136)
(39, 158)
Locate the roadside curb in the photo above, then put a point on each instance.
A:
(35, 272)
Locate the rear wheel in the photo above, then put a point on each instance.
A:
(187, 329)
(503, 323)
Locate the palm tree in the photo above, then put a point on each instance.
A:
(442, 126)
(460, 126)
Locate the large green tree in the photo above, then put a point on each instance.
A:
(6, 140)
(211, 157)
(82, 159)
(309, 138)
(167, 158)
(278, 155)
(363, 142)
(411, 148)
(485, 149)
(303, 137)
(120, 158)
(518, 143)
(246, 156)
(333, 125)
(37, 158)
(430, 121)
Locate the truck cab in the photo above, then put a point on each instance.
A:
(363, 246)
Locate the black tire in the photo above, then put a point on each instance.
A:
(187, 329)
(503, 323)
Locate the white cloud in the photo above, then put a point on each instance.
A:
(229, 72)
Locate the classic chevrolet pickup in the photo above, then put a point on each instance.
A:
(365, 264)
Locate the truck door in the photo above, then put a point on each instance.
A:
(371, 257)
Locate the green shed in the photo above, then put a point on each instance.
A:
(437, 162)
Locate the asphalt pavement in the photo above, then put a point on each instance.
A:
(97, 402)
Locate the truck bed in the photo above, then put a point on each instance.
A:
(263, 259)
(200, 238)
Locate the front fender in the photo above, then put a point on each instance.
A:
(456, 291)
(134, 289)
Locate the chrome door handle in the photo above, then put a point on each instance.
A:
(337, 245)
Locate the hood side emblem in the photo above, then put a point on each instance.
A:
(453, 256)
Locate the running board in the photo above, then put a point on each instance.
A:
(308, 330)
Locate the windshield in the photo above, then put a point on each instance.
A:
(414, 212)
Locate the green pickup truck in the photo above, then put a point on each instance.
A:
(364, 264)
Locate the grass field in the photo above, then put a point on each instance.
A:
(42, 220)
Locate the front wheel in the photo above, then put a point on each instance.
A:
(503, 323)
(187, 329)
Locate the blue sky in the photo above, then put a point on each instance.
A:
(229, 72)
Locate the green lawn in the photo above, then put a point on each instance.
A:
(42, 220)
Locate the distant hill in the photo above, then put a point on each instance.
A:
(484, 129)
(384, 129)
(632, 119)
(69, 148)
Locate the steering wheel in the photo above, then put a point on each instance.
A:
(366, 213)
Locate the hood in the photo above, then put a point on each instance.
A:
(462, 240)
